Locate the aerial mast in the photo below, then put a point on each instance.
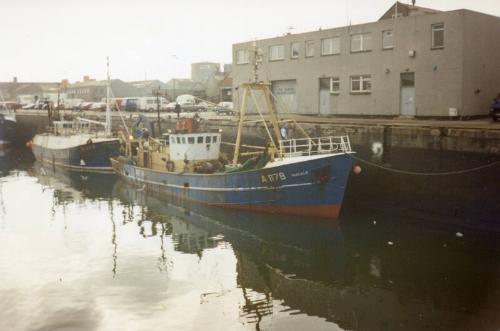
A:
(108, 108)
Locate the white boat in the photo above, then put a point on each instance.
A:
(80, 144)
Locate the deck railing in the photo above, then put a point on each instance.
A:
(314, 146)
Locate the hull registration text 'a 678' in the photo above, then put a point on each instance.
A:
(272, 178)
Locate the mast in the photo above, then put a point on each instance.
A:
(248, 89)
(108, 108)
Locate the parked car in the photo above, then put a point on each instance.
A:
(225, 108)
(83, 106)
(130, 104)
(29, 106)
(186, 100)
(98, 106)
(205, 106)
(170, 106)
(495, 108)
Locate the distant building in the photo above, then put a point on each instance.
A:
(149, 87)
(225, 89)
(92, 90)
(209, 74)
(204, 71)
(414, 61)
(10, 91)
(179, 86)
(228, 67)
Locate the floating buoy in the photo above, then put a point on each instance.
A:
(356, 169)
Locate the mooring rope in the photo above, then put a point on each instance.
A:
(413, 173)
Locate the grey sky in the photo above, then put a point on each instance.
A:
(48, 40)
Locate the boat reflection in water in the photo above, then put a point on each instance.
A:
(353, 275)
(368, 272)
(73, 186)
(14, 159)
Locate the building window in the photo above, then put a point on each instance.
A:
(294, 50)
(387, 39)
(309, 48)
(276, 53)
(242, 56)
(334, 85)
(361, 42)
(361, 84)
(330, 46)
(438, 35)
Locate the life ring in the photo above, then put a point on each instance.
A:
(170, 166)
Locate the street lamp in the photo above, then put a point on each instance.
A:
(175, 57)
(158, 91)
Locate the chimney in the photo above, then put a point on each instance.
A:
(86, 78)
(14, 79)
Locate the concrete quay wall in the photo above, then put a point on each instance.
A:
(481, 136)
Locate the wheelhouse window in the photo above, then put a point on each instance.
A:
(190, 140)
(276, 52)
(330, 46)
(309, 48)
(361, 42)
(387, 39)
(207, 139)
(294, 50)
(361, 84)
(437, 36)
(200, 140)
(214, 139)
(242, 56)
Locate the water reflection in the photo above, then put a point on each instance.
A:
(362, 275)
(109, 254)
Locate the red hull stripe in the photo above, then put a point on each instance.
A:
(326, 211)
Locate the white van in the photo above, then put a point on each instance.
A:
(186, 100)
(150, 104)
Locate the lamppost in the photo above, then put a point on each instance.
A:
(175, 97)
(175, 57)
(157, 93)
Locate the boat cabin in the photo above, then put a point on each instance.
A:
(70, 127)
(194, 146)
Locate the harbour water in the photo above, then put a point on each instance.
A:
(88, 252)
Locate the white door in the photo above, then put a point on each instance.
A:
(407, 107)
(324, 101)
(408, 101)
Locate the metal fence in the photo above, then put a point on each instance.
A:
(315, 146)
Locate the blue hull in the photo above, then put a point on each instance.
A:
(8, 132)
(96, 156)
(314, 187)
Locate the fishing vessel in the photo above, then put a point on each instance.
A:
(8, 126)
(80, 144)
(298, 176)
